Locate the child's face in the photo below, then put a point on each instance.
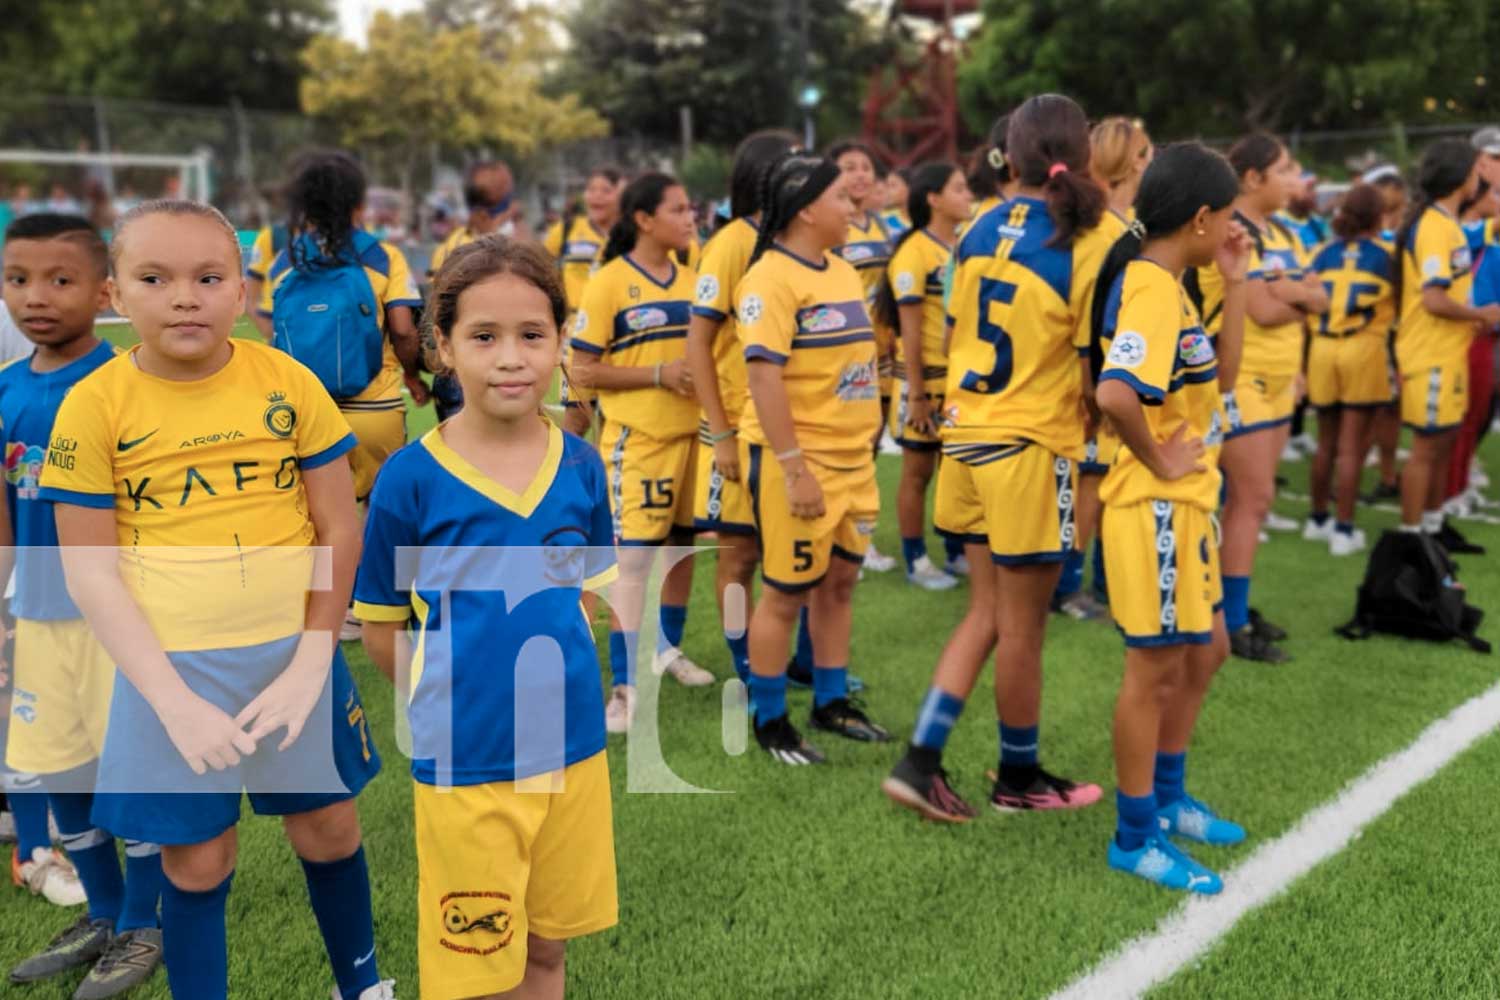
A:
(859, 174)
(503, 347)
(896, 193)
(177, 279)
(601, 198)
(672, 223)
(830, 215)
(954, 201)
(53, 289)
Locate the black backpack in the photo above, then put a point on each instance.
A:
(1409, 590)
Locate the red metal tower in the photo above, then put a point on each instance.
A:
(911, 106)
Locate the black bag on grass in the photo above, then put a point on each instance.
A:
(1409, 590)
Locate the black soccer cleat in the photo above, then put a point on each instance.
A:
(847, 718)
(1451, 539)
(1266, 629)
(1247, 644)
(780, 739)
(926, 793)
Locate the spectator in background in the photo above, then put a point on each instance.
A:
(22, 202)
(59, 200)
(13, 343)
(101, 211)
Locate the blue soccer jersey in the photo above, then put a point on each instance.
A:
(505, 676)
(28, 406)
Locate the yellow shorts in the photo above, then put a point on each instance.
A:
(651, 482)
(1259, 402)
(1349, 371)
(380, 430)
(1099, 452)
(496, 862)
(60, 704)
(718, 504)
(904, 435)
(1017, 498)
(1435, 397)
(1165, 556)
(795, 552)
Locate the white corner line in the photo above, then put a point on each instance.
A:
(1192, 929)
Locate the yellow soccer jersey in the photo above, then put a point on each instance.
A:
(916, 276)
(1436, 255)
(1020, 315)
(212, 469)
(1357, 274)
(577, 255)
(462, 236)
(725, 259)
(628, 318)
(810, 318)
(868, 250)
(1155, 343)
(262, 252)
(1274, 256)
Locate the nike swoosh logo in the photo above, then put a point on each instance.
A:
(1196, 879)
(361, 961)
(123, 445)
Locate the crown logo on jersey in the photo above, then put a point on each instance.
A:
(276, 396)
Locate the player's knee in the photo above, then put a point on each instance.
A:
(545, 955)
(199, 867)
(328, 834)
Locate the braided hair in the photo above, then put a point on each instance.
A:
(326, 191)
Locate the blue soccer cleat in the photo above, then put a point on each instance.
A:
(1192, 820)
(1159, 861)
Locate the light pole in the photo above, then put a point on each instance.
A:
(807, 99)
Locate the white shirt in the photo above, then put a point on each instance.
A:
(13, 343)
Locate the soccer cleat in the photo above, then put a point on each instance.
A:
(129, 959)
(1381, 493)
(847, 718)
(78, 944)
(48, 874)
(674, 662)
(620, 712)
(1047, 791)
(1192, 820)
(927, 576)
(1452, 539)
(1247, 644)
(1275, 522)
(1312, 531)
(1342, 544)
(1159, 861)
(928, 795)
(957, 566)
(1265, 629)
(1080, 607)
(780, 739)
(383, 990)
(888, 445)
(352, 628)
(877, 563)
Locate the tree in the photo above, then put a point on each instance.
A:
(1191, 68)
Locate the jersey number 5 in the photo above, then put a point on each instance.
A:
(993, 292)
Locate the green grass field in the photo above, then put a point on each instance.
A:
(807, 883)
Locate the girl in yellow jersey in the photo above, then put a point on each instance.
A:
(912, 302)
(1436, 325)
(1013, 433)
(629, 343)
(805, 446)
(1159, 377)
(1348, 370)
(717, 362)
(1259, 407)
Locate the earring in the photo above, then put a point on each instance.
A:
(1202, 232)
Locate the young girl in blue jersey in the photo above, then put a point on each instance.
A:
(219, 467)
(1159, 376)
(510, 519)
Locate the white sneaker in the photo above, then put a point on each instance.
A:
(1275, 522)
(1263, 537)
(1312, 531)
(1306, 443)
(1340, 544)
(674, 662)
(1477, 476)
(1459, 506)
(888, 445)
(927, 576)
(50, 874)
(1290, 452)
(957, 566)
(620, 712)
(877, 563)
(7, 827)
(383, 990)
(352, 628)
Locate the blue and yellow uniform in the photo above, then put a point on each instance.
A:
(269, 241)
(1159, 538)
(460, 237)
(63, 678)
(1013, 418)
(650, 437)
(1432, 353)
(809, 318)
(1310, 233)
(916, 277)
(868, 250)
(1099, 451)
(204, 479)
(378, 413)
(1348, 362)
(895, 221)
(720, 505)
(507, 712)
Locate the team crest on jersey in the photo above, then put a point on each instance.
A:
(1461, 260)
(905, 283)
(23, 468)
(1128, 350)
(750, 308)
(280, 417)
(1195, 348)
(1272, 266)
(1432, 266)
(707, 291)
(475, 923)
(855, 252)
(824, 319)
(644, 318)
(857, 382)
(562, 556)
(580, 321)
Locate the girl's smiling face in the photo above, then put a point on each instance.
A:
(504, 346)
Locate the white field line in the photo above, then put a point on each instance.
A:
(1194, 928)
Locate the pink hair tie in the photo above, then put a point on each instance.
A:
(1056, 168)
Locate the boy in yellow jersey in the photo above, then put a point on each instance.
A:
(805, 447)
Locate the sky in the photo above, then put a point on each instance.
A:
(355, 14)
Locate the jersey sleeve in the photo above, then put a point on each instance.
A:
(80, 455)
(261, 252)
(1088, 257)
(907, 276)
(766, 312)
(1434, 248)
(322, 432)
(600, 568)
(719, 274)
(553, 241)
(593, 323)
(1144, 349)
(390, 524)
(439, 255)
(400, 286)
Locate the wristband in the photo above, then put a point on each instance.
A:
(722, 436)
(787, 456)
(656, 378)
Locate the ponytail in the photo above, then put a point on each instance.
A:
(1359, 212)
(1445, 168)
(1048, 147)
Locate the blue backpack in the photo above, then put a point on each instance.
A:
(327, 318)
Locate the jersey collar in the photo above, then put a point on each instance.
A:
(522, 504)
(647, 275)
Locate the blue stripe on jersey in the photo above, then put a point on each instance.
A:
(1370, 257)
(803, 343)
(650, 316)
(831, 317)
(1150, 394)
(758, 353)
(1026, 222)
(674, 333)
(586, 347)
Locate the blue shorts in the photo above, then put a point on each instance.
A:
(147, 792)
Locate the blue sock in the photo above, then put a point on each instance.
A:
(829, 684)
(1344, 527)
(28, 804)
(913, 549)
(1101, 580)
(1236, 602)
(622, 653)
(804, 654)
(768, 695)
(194, 946)
(92, 852)
(1136, 820)
(1171, 776)
(1319, 519)
(340, 896)
(1071, 580)
(673, 623)
(953, 547)
(739, 652)
(1018, 745)
(936, 718)
(143, 879)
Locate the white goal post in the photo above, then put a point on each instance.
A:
(192, 168)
